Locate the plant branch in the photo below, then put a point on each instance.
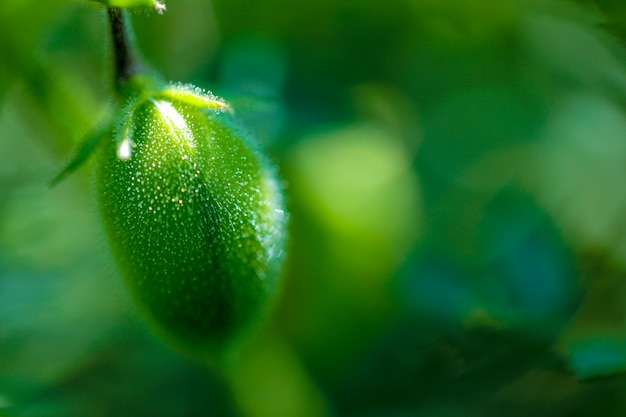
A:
(125, 63)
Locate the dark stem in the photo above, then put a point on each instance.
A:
(125, 64)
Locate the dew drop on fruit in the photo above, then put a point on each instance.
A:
(124, 150)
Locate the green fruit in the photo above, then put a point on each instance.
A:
(195, 217)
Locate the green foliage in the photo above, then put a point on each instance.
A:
(453, 177)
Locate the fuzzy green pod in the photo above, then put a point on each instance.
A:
(194, 215)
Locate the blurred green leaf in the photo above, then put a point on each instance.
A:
(453, 170)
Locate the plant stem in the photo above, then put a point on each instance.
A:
(125, 63)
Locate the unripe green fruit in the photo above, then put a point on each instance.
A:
(194, 214)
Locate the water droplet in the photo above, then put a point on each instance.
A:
(124, 150)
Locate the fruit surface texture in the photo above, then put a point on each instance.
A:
(195, 217)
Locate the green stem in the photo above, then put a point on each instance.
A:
(125, 63)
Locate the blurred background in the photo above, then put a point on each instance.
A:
(458, 218)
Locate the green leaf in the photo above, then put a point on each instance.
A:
(83, 152)
(598, 357)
